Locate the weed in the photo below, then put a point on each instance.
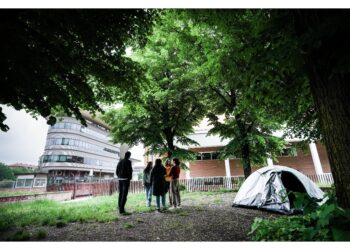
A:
(41, 234)
(20, 235)
(60, 224)
(138, 220)
(128, 225)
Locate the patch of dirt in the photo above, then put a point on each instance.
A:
(211, 219)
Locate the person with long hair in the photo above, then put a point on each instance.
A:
(158, 183)
(147, 182)
(168, 179)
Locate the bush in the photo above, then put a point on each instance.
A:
(20, 236)
(182, 187)
(327, 222)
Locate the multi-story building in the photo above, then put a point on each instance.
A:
(74, 151)
(312, 160)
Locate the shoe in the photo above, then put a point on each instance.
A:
(171, 208)
(164, 208)
(158, 210)
(178, 206)
(124, 213)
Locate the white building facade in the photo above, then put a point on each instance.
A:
(73, 150)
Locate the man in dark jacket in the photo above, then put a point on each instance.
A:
(124, 173)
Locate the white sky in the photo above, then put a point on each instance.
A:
(175, 4)
(25, 141)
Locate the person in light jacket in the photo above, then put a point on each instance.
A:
(147, 182)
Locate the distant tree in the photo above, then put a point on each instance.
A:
(6, 172)
(68, 59)
(169, 104)
(21, 170)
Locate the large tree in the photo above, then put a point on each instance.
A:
(225, 38)
(67, 59)
(169, 102)
(304, 59)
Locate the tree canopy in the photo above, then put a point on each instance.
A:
(68, 59)
(226, 38)
(169, 103)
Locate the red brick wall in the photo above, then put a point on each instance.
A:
(207, 168)
(322, 153)
(302, 162)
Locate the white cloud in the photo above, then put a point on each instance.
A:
(25, 141)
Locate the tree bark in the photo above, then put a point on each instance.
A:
(245, 149)
(330, 90)
(246, 160)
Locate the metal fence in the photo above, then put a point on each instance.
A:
(97, 187)
(322, 179)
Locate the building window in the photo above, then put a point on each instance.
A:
(40, 182)
(207, 156)
(289, 152)
(24, 183)
(76, 159)
(215, 155)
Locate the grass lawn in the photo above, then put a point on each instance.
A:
(99, 209)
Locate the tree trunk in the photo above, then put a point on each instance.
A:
(334, 114)
(246, 160)
(330, 90)
(245, 149)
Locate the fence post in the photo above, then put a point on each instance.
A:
(74, 189)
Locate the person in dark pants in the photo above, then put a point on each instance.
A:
(124, 173)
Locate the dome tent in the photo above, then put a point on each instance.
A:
(267, 188)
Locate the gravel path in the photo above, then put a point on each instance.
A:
(211, 219)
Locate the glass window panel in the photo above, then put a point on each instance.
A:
(45, 158)
(215, 155)
(65, 141)
(62, 158)
(28, 183)
(40, 183)
(20, 183)
(80, 159)
(69, 158)
(199, 157)
(54, 158)
(206, 156)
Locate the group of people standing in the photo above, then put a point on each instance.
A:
(160, 180)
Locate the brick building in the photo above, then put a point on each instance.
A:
(311, 161)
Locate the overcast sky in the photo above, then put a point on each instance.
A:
(25, 141)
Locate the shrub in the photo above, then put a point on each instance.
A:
(182, 187)
(325, 223)
(20, 235)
